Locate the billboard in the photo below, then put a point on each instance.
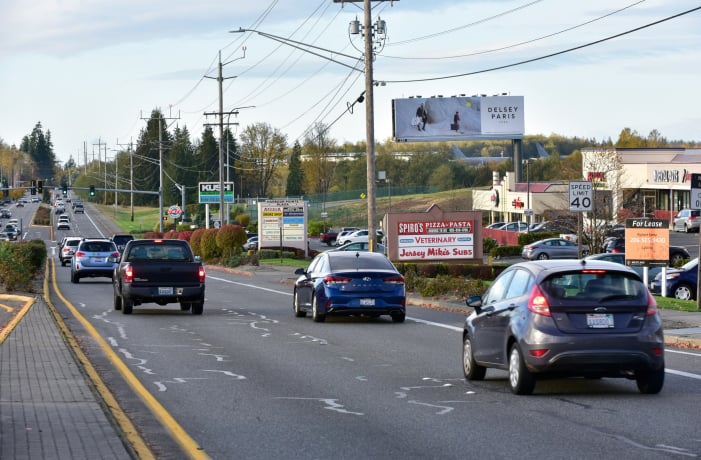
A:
(209, 192)
(420, 119)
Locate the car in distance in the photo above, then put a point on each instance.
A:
(251, 244)
(552, 248)
(360, 246)
(121, 240)
(620, 258)
(353, 237)
(92, 259)
(330, 236)
(348, 283)
(681, 282)
(63, 223)
(158, 271)
(687, 220)
(565, 318)
(11, 231)
(67, 248)
(79, 208)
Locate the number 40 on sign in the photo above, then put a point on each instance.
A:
(581, 196)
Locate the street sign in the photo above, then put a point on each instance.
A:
(581, 196)
(695, 198)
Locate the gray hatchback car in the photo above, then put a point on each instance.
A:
(569, 318)
(687, 220)
(92, 259)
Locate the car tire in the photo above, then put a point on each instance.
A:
(650, 382)
(543, 256)
(299, 313)
(197, 307)
(470, 368)
(75, 279)
(684, 292)
(686, 228)
(117, 301)
(127, 305)
(316, 316)
(331, 243)
(398, 317)
(185, 306)
(521, 380)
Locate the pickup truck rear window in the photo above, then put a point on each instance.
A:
(158, 252)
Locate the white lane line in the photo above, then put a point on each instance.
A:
(679, 352)
(452, 328)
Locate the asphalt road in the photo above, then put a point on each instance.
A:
(249, 380)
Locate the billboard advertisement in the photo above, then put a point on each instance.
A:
(457, 118)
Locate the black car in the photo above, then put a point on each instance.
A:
(568, 318)
(676, 253)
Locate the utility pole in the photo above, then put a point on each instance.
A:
(160, 168)
(99, 152)
(220, 79)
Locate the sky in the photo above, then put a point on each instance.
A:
(91, 70)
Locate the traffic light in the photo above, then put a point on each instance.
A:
(92, 190)
(34, 190)
(40, 186)
(64, 189)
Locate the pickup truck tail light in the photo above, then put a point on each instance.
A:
(128, 274)
(201, 274)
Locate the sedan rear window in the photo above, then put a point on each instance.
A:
(362, 263)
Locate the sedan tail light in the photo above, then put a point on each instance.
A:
(537, 303)
(394, 280)
(336, 280)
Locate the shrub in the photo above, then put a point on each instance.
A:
(170, 235)
(153, 235)
(185, 235)
(195, 240)
(243, 219)
(209, 250)
(230, 239)
(527, 238)
(19, 263)
(506, 251)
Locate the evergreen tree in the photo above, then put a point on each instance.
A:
(295, 178)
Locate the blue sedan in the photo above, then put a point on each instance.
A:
(348, 283)
(681, 282)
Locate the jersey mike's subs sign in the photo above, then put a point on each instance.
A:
(439, 240)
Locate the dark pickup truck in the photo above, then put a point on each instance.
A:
(161, 272)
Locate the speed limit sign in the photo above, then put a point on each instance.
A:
(695, 201)
(581, 196)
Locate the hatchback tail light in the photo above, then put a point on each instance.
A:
(80, 254)
(651, 305)
(336, 280)
(537, 303)
(201, 274)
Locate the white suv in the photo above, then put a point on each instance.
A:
(358, 236)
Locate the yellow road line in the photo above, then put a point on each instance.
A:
(7, 307)
(28, 302)
(189, 446)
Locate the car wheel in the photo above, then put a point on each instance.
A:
(74, 278)
(686, 228)
(299, 313)
(676, 258)
(684, 292)
(521, 380)
(127, 305)
(543, 256)
(184, 306)
(650, 382)
(331, 243)
(316, 316)
(470, 368)
(117, 302)
(398, 317)
(198, 307)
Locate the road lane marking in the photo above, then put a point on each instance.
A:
(683, 374)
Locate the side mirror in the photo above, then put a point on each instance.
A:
(300, 271)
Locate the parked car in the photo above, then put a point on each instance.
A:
(350, 283)
(687, 220)
(251, 244)
(67, 248)
(676, 253)
(620, 258)
(353, 237)
(92, 259)
(360, 246)
(565, 318)
(496, 225)
(330, 236)
(553, 248)
(681, 282)
(515, 227)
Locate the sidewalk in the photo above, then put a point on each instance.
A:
(49, 410)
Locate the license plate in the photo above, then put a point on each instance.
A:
(165, 291)
(599, 320)
(98, 260)
(367, 302)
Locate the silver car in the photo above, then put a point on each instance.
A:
(92, 259)
(688, 220)
(565, 318)
(553, 248)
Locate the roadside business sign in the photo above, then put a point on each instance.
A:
(209, 192)
(581, 196)
(647, 242)
(695, 198)
(175, 211)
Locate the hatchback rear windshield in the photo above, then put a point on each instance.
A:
(594, 285)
